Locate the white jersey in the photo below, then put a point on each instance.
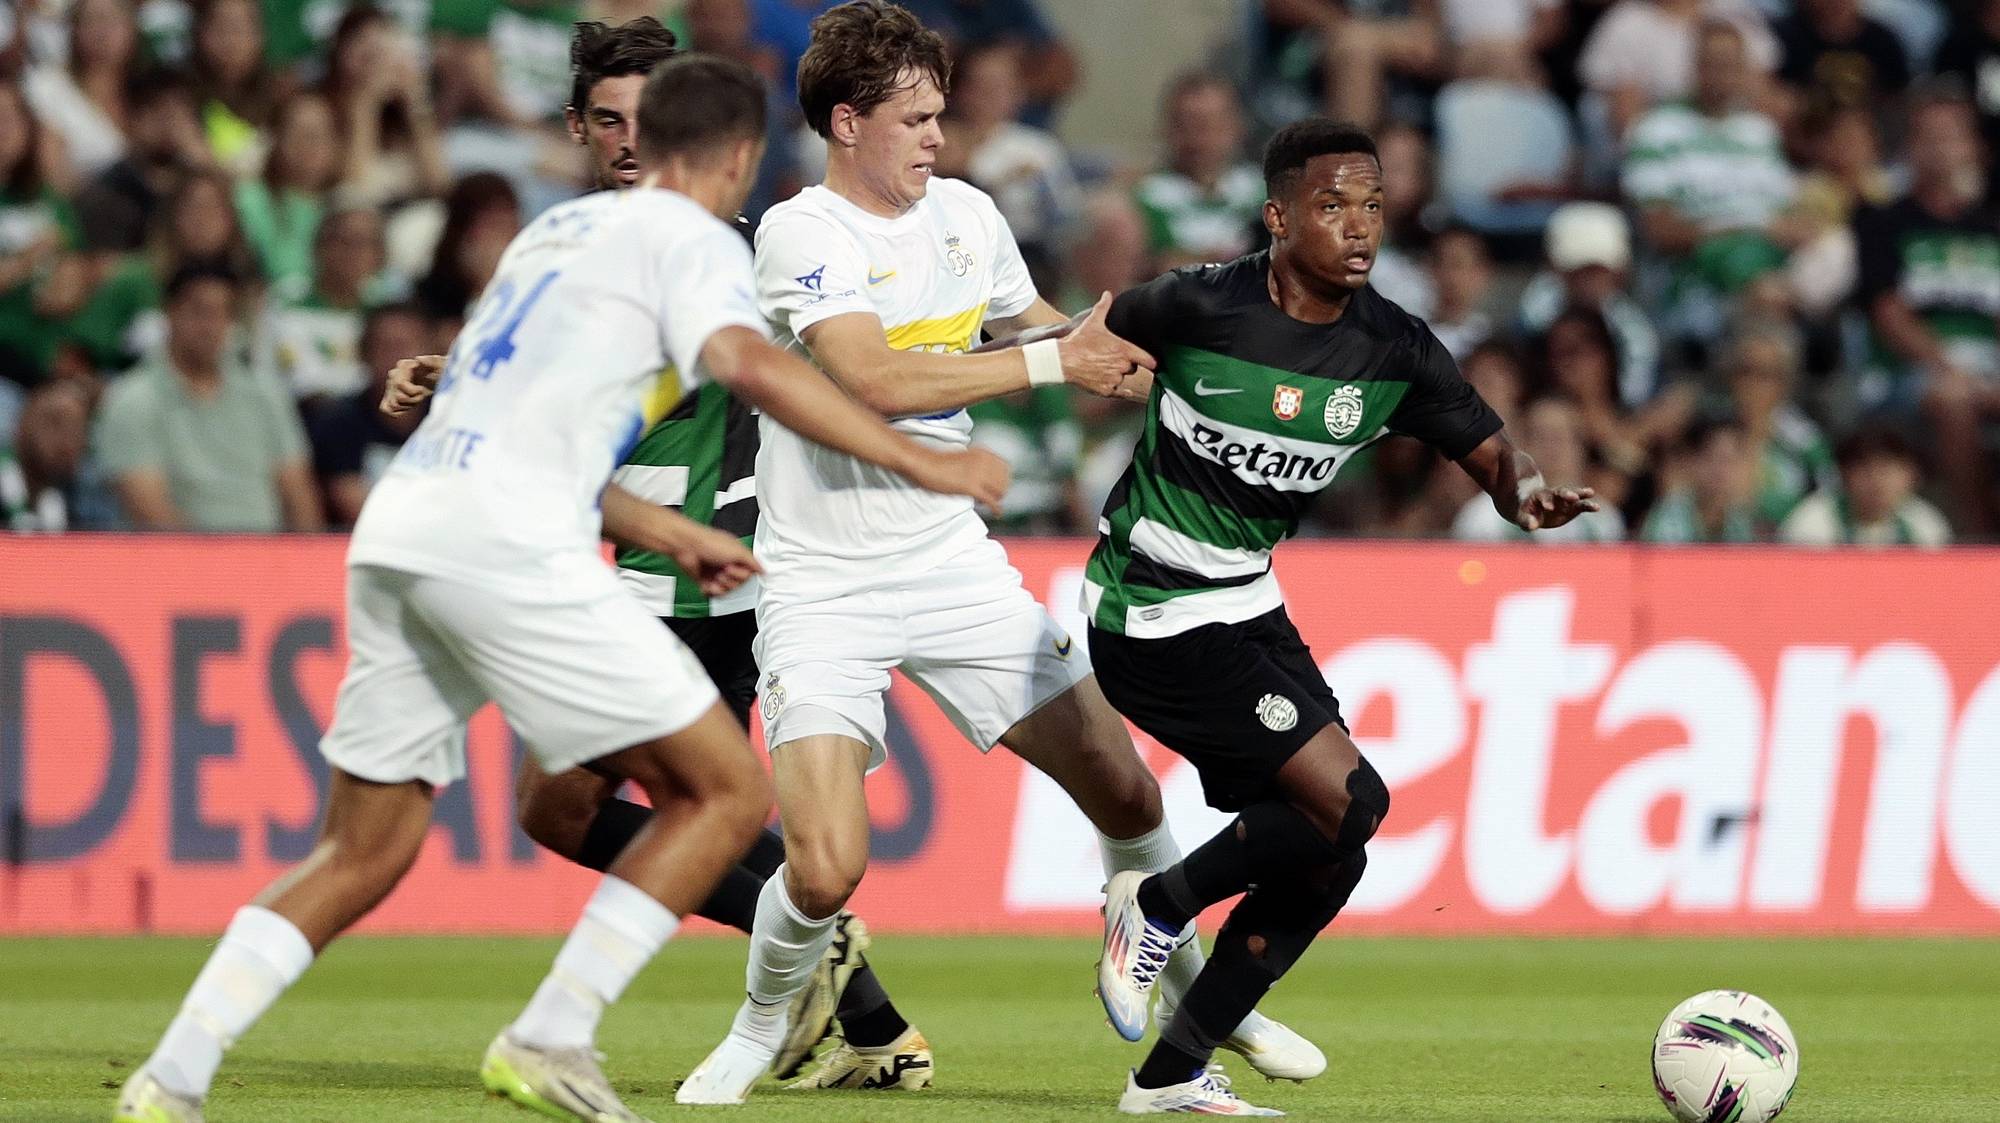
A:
(934, 276)
(589, 332)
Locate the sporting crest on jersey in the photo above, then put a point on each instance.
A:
(1277, 712)
(774, 698)
(961, 262)
(1343, 412)
(1286, 402)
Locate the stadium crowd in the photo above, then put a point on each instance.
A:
(1734, 263)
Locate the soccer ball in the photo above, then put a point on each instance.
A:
(1725, 1056)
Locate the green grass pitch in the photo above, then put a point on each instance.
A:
(1438, 1030)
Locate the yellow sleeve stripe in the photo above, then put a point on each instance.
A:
(947, 333)
(662, 396)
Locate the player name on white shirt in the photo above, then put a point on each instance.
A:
(588, 333)
(934, 276)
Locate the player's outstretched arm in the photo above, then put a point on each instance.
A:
(1519, 493)
(853, 349)
(801, 399)
(719, 561)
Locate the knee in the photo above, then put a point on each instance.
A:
(820, 876)
(1367, 806)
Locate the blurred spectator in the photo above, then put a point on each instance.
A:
(1047, 64)
(1207, 203)
(1877, 504)
(1642, 54)
(1036, 432)
(1106, 254)
(280, 210)
(352, 440)
(1579, 360)
(199, 226)
(724, 27)
(505, 61)
(1589, 247)
(1971, 55)
(1405, 158)
(164, 143)
(382, 108)
(197, 441)
(313, 328)
(301, 36)
(1500, 39)
(1359, 47)
(1835, 57)
(85, 101)
(1930, 285)
(37, 229)
(235, 89)
(482, 214)
(1462, 276)
(1025, 169)
(1711, 500)
(1712, 186)
(1552, 431)
(101, 294)
(1844, 172)
(1787, 451)
(38, 476)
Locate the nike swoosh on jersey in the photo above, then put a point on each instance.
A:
(1203, 390)
(875, 278)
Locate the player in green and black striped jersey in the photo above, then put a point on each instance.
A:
(699, 459)
(1274, 370)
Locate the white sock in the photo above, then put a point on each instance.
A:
(621, 929)
(261, 954)
(1150, 853)
(785, 946)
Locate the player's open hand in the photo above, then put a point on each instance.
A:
(411, 382)
(1547, 508)
(972, 472)
(719, 562)
(1099, 361)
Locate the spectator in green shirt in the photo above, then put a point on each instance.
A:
(1788, 454)
(37, 232)
(1711, 502)
(280, 211)
(1205, 205)
(236, 89)
(197, 441)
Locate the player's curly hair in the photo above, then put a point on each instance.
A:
(598, 51)
(860, 54)
(1286, 155)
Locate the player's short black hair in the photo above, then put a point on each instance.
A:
(598, 51)
(697, 102)
(859, 54)
(1286, 156)
(194, 273)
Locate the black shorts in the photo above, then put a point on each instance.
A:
(1237, 700)
(722, 643)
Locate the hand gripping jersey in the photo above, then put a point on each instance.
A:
(1252, 415)
(588, 333)
(701, 460)
(934, 276)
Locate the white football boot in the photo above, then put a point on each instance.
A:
(902, 1065)
(146, 1100)
(565, 1083)
(728, 1074)
(1134, 953)
(1274, 1049)
(814, 1006)
(1207, 1094)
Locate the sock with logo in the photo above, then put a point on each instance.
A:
(260, 954)
(621, 929)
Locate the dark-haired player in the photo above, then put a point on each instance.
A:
(1275, 369)
(700, 459)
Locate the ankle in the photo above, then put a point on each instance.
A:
(1159, 908)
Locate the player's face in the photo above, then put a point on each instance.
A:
(609, 127)
(1333, 220)
(897, 142)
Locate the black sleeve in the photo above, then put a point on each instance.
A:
(1145, 315)
(1878, 260)
(1441, 408)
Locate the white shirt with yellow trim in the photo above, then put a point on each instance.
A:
(590, 331)
(934, 276)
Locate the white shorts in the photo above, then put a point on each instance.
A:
(965, 631)
(576, 680)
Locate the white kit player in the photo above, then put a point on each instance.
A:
(887, 278)
(474, 575)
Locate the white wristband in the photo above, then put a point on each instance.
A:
(1044, 363)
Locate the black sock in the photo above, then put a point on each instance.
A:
(1267, 932)
(734, 901)
(616, 823)
(867, 1018)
